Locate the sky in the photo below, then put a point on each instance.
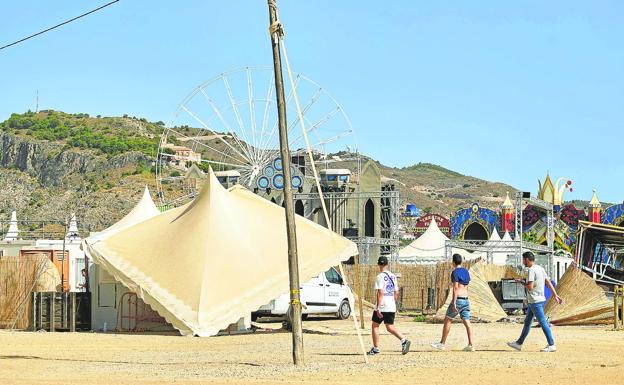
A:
(499, 90)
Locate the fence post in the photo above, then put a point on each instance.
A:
(72, 309)
(51, 313)
(40, 310)
(616, 310)
(34, 311)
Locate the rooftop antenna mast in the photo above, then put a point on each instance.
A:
(276, 31)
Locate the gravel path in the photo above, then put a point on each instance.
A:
(587, 355)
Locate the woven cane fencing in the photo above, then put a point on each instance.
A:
(422, 287)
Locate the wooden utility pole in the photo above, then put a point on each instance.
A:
(276, 32)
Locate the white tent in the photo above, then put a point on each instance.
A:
(494, 236)
(498, 258)
(204, 265)
(428, 248)
(105, 290)
(144, 210)
(13, 231)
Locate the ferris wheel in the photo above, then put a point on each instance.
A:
(230, 124)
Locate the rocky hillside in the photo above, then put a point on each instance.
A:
(53, 163)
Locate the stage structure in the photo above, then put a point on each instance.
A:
(350, 217)
(518, 245)
(229, 123)
(600, 252)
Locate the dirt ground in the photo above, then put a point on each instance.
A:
(587, 355)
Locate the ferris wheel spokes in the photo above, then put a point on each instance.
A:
(206, 127)
(232, 124)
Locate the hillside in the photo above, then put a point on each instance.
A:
(54, 163)
(436, 189)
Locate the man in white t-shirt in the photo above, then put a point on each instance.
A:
(387, 292)
(536, 299)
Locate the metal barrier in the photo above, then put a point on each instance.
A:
(134, 312)
(56, 311)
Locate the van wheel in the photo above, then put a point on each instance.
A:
(344, 310)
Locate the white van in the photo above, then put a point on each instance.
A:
(324, 294)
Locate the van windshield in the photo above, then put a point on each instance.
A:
(333, 276)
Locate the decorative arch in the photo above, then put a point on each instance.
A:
(614, 215)
(463, 218)
(475, 231)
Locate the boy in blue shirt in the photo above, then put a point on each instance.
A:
(459, 305)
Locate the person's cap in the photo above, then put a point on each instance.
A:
(382, 261)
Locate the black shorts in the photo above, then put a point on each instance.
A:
(388, 318)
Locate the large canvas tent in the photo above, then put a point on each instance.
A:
(204, 265)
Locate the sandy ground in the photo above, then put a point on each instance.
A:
(587, 355)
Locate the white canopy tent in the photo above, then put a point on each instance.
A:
(144, 210)
(204, 265)
(498, 258)
(429, 248)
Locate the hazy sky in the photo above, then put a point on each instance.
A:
(495, 89)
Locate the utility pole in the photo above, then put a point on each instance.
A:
(276, 31)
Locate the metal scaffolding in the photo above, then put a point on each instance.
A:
(341, 218)
(517, 246)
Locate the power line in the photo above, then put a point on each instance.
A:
(58, 25)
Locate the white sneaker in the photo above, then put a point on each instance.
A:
(469, 348)
(549, 349)
(514, 345)
(438, 345)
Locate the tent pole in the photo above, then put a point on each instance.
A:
(355, 323)
(276, 32)
(358, 288)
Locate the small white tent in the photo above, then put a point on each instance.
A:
(144, 210)
(428, 248)
(204, 265)
(498, 258)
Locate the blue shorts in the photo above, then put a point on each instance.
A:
(463, 309)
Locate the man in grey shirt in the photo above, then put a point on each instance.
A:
(536, 299)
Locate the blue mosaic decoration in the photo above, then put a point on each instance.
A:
(614, 215)
(465, 217)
